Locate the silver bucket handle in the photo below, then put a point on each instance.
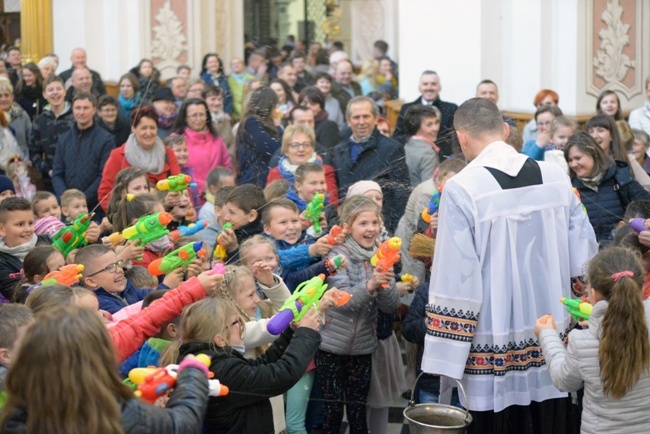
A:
(460, 386)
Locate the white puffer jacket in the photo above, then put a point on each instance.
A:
(578, 366)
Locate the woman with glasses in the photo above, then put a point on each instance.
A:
(298, 148)
(144, 150)
(205, 148)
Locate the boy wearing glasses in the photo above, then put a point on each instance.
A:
(17, 230)
(103, 274)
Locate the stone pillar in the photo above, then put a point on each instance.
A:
(35, 29)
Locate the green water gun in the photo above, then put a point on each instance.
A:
(314, 210)
(72, 236)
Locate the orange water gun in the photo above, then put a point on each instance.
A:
(335, 232)
(387, 255)
(67, 275)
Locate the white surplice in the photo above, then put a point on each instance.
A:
(503, 258)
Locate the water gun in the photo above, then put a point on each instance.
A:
(638, 225)
(115, 238)
(72, 236)
(194, 194)
(174, 183)
(152, 383)
(578, 308)
(314, 210)
(408, 278)
(386, 256)
(306, 294)
(220, 251)
(67, 275)
(334, 232)
(148, 228)
(577, 193)
(189, 230)
(219, 268)
(432, 207)
(178, 258)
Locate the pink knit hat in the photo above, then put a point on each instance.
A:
(47, 226)
(362, 187)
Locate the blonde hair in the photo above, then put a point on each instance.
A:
(5, 85)
(231, 285)
(293, 130)
(67, 370)
(200, 322)
(252, 242)
(559, 122)
(71, 194)
(355, 205)
(369, 70)
(624, 329)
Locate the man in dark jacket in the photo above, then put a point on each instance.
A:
(344, 88)
(55, 120)
(78, 59)
(368, 155)
(430, 95)
(82, 152)
(82, 81)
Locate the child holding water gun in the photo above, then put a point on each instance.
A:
(39, 262)
(260, 250)
(610, 358)
(129, 211)
(66, 359)
(309, 181)
(296, 248)
(344, 359)
(131, 180)
(214, 327)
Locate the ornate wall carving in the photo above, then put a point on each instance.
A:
(169, 37)
(614, 46)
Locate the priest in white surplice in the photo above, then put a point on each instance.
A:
(512, 235)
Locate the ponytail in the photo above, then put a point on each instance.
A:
(618, 275)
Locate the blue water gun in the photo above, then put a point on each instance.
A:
(432, 207)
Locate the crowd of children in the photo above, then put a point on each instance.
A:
(83, 303)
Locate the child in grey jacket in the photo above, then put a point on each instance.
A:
(344, 359)
(610, 358)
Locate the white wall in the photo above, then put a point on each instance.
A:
(522, 45)
(444, 36)
(109, 30)
(116, 33)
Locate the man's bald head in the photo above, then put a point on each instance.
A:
(82, 80)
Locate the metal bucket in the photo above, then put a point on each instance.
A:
(436, 418)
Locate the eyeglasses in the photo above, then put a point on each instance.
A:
(237, 321)
(198, 116)
(111, 268)
(300, 145)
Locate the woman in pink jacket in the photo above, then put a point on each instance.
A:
(205, 148)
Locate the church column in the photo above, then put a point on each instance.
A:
(35, 29)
